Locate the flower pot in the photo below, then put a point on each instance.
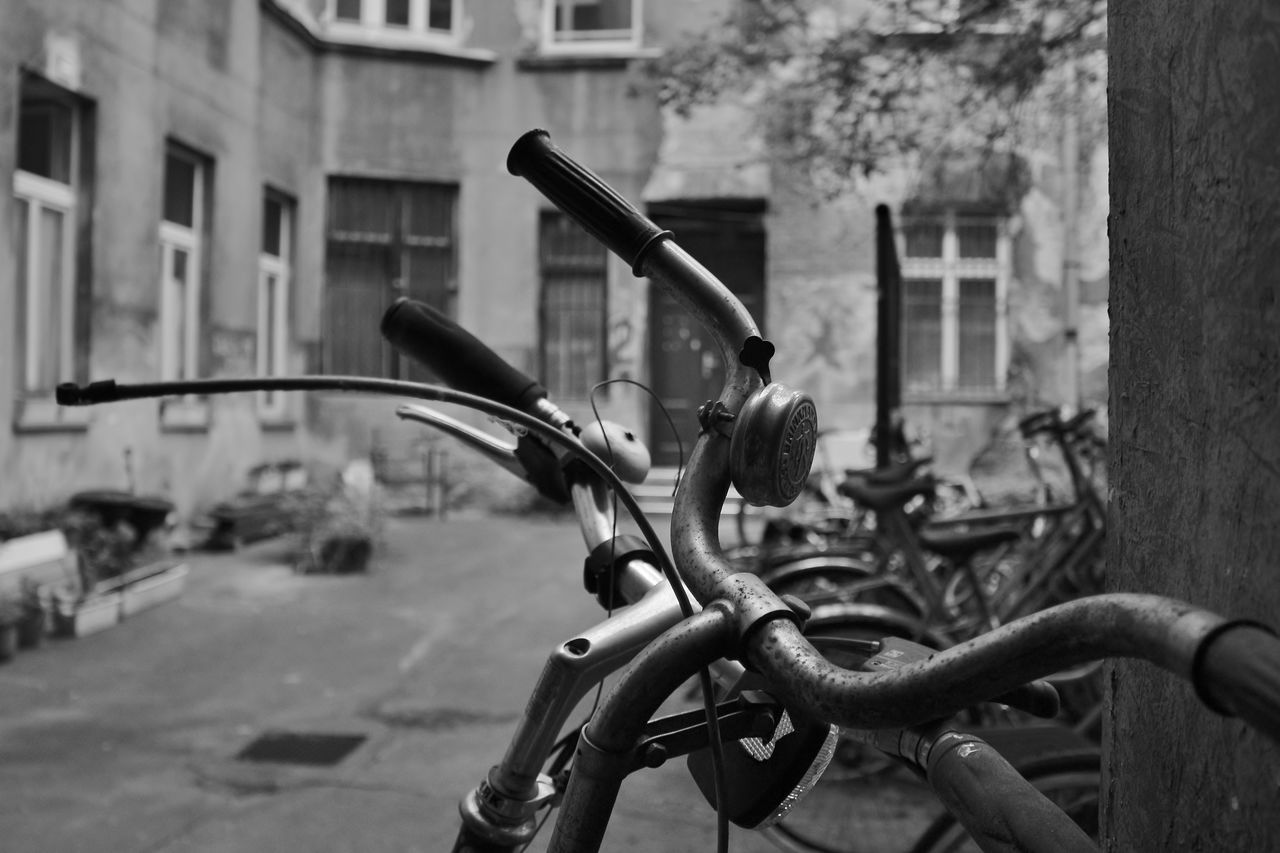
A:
(8, 641)
(32, 628)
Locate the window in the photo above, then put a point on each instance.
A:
(591, 26)
(186, 176)
(955, 276)
(275, 267)
(431, 19)
(572, 307)
(49, 204)
(384, 240)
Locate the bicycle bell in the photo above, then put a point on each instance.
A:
(771, 450)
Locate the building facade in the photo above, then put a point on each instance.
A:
(240, 188)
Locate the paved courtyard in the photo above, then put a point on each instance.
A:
(127, 740)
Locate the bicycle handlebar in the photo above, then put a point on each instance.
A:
(1237, 673)
(595, 205)
(994, 802)
(460, 359)
(1168, 633)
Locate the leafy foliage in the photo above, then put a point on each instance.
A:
(846, 87)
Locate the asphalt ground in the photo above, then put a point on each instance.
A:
(127, 740)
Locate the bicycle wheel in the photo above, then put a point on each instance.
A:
(829, 578)
(1071, 781)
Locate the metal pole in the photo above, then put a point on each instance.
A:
(1070, 240)
(888, 339)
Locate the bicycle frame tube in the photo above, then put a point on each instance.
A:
(605, 749)
(1047, 567)
(895, 520)
(572, 669)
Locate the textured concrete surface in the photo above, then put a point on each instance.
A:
(126, 740)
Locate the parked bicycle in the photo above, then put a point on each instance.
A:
(765, 735)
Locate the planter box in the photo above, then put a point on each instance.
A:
(155, 589)
(94, 614)
(119, 598)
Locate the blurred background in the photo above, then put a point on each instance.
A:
(241, 188)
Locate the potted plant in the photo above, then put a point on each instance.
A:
(339, 525)
(10, 616)
(34, 615)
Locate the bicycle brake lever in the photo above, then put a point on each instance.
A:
(496, 451)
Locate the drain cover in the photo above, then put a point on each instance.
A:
(316, 749)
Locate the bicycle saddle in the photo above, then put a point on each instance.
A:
(960, 545)
(895, 473)
(883, 496)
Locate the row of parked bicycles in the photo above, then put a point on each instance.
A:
(901, 551)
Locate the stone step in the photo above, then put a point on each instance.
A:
(655, 493)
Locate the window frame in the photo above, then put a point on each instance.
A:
(548, 273)
(72, 200)
(40, 194)
(950, 269)
(274, 360)
(550, 44)
(373, 25)
(190, 239)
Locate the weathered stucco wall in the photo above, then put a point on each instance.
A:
(274, 107)
(186, 71)
(822, 300)
(1195, 380)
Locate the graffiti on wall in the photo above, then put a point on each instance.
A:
(824, 328)
(623, 348)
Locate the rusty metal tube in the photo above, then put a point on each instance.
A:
(1162, 631)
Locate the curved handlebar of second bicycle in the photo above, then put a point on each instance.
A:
(1176, 636)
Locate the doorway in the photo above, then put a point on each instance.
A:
(685, 369)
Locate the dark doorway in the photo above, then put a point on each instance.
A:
(685, 369)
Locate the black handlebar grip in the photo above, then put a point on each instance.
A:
(591, 202)
(1238, 673)
(460, 359)
(991, 799)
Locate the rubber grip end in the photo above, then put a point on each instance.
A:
(524, 147)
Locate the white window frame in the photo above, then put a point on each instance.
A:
(373, 25)
(552, 44)
(950, 269)
(41, 194)
(182, 312)
(273, 361)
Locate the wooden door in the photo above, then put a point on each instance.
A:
(685, 368)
